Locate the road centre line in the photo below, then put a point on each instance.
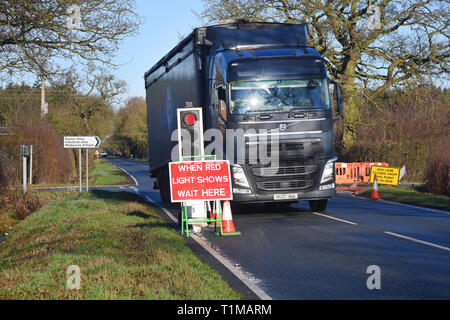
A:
(240, 275)
(333, 218)
(417, 240)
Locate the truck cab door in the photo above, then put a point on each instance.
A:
(221, 107)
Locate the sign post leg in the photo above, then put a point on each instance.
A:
(79, 166)
(31, 165)
(24, 174)
(87, 170)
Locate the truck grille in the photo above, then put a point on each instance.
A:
(284, 171)
(284, 185)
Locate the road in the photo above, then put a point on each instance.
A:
(298, 254)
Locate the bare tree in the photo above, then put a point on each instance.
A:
(410, 44)
(36, 35)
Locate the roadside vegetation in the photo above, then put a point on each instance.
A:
(122, 246)
(130, 134)
(410, 196)
(106, 174)
(16, 206)
(405, 127)
(75, 68)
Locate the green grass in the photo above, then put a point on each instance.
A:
(105, 174)
(15, 206)
(102, 173)
(410, 196)
(122, 246)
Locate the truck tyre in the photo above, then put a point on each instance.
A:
(179, 217)
(164, 185)
(318, 205)
(235, 208)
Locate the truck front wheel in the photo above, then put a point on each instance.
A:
(164, 185)
(318, 205)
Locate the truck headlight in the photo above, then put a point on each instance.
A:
(328, 171)
(239, 176)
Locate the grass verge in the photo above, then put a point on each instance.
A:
(101, 173)
(410, 196)
(122, 246)
(105, 174)
(16, 206)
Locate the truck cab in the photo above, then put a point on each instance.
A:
(275, 99)
(267, 93)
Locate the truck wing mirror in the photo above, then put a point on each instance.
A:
(221, 92)
(338, 103)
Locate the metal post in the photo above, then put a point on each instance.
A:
(42, 97)
(31, 165)
(24, 174)
(79, 165)
(87, 170)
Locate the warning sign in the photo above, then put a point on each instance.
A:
(385, 175)
(200, 180)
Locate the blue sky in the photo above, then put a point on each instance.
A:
(164, 22)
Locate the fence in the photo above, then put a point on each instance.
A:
(359, 172)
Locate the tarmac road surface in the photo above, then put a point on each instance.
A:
(357, 244)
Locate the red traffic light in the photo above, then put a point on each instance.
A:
(189, 119)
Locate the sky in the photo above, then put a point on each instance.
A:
(164, 22)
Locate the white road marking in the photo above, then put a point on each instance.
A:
(128, 174)
(416, 207)
(417, 240)
(397, 204)
(239, 274)
(333, 218)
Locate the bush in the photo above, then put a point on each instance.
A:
(7, 172)
(51, 162)
(437, 173)
(400, 128)
(26, 204)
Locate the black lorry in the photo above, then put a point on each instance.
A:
(251, 76)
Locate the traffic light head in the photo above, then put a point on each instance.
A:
(190, 135)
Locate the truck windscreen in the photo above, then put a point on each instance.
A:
(278, 95)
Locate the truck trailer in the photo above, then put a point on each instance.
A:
(260, 79)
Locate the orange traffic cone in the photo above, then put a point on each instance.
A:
(212, 214)
(228, 228)
(375, 192)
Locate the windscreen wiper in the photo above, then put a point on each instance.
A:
(263, 114)
(293, 112)
(312, 84)
(247, 112)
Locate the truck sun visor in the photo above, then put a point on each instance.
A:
(265, 69)
(286, 35)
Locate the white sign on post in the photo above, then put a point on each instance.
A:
(81, 142)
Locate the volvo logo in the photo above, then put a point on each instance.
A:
(283, 127)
